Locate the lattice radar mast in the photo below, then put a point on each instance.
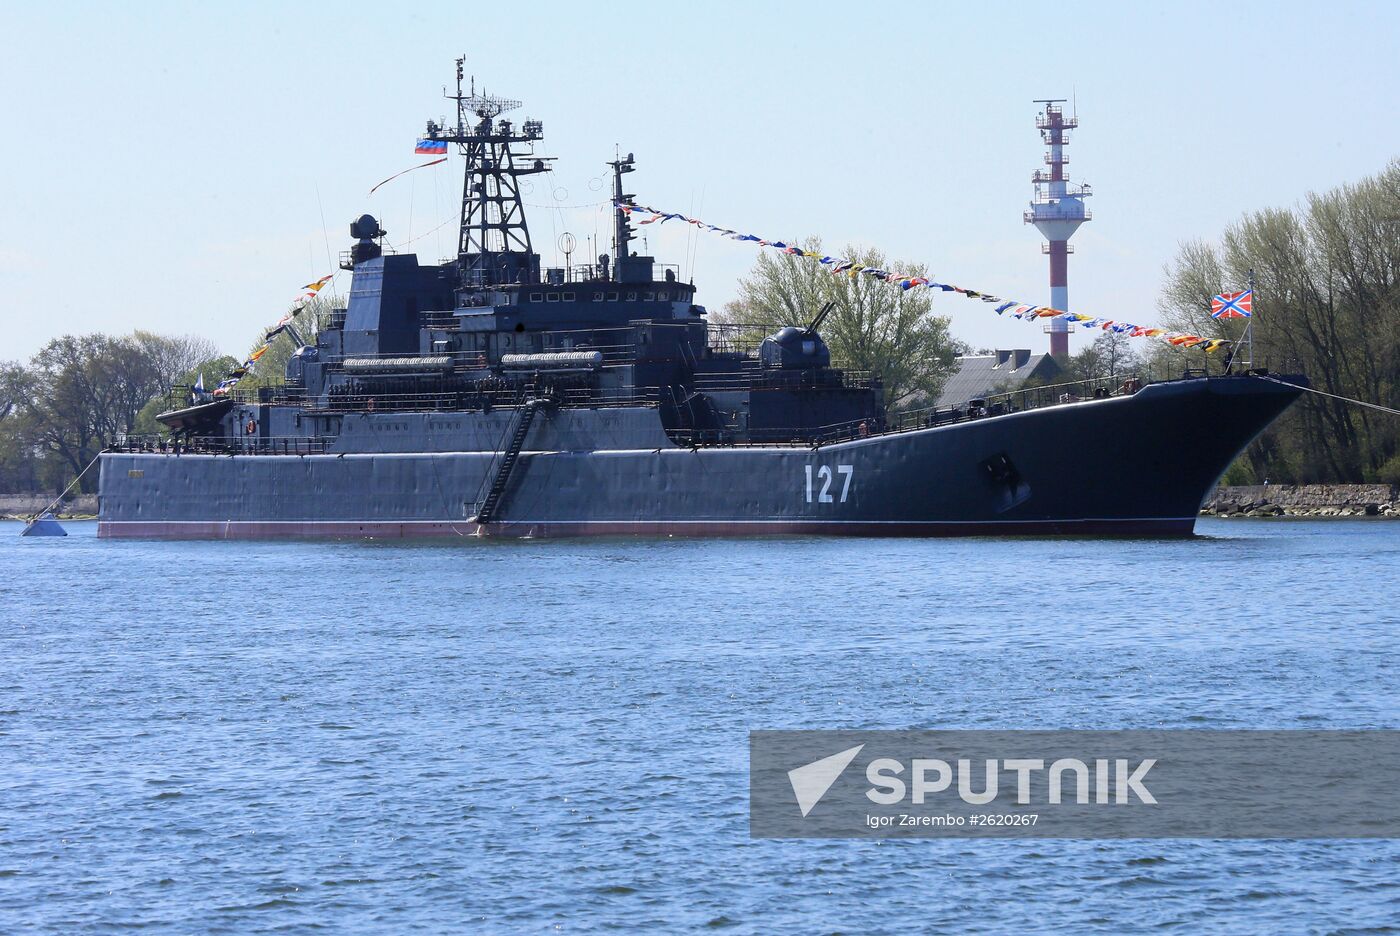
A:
(493, 245)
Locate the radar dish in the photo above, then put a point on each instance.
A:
(488, 105)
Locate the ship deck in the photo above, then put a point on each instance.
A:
(991, 407)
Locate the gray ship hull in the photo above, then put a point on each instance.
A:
(1132, 465)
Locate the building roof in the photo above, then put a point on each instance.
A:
(982, 375)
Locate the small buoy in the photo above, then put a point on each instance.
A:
(44, 525)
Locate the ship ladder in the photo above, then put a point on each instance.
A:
(492, 502)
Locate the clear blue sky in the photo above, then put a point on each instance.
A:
(166, 166)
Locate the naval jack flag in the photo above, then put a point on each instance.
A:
(1233, 305)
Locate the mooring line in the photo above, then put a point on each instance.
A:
(59, 499)
(1374, 406)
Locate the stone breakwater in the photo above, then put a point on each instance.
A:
(1304, 500)
(24, 506)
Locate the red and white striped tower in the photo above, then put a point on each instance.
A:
(1057, 211)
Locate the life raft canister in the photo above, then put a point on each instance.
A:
(251, 428)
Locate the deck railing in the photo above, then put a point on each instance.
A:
(449, 400)
(993, 405)
(927, 417)
(219, 445)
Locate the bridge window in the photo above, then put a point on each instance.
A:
(551, 297)
(537, 297)
(663, 296)
(612, 297)
(597, 297)
(569, 297)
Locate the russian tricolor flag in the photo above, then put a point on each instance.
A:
(431, 147)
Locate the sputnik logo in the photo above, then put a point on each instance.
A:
(811, 781)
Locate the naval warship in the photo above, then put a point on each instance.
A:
(491, 395)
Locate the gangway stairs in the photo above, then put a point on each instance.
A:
(492, 502)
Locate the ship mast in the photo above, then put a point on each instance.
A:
(622, 231)
(493, 246)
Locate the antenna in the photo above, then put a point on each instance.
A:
(493, 242)
(622, 230)
(566, 243)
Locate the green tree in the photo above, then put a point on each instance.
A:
(13, 387)
(1108, 355)
(1327, 304)
(19, 466)
(873, 325)
(73, 401)
(84, 392)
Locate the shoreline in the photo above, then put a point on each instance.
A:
(1315, 501)
(23, 506)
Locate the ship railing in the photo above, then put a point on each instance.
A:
(444, 400)
(280, 394)
(437, 318)
(756, 379)
(347, 257)
(1016, 401)
(221, 445)
(183, 395)
(583, 273)
(458, 357)
(736, 338)
(927, 417)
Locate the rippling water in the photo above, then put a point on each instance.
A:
(527, 736)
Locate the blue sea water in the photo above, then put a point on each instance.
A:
(553, 736)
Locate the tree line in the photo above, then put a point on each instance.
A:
(80, 393)
(1326, 305)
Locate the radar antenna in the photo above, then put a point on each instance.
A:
(494, 242)
(622, 229)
